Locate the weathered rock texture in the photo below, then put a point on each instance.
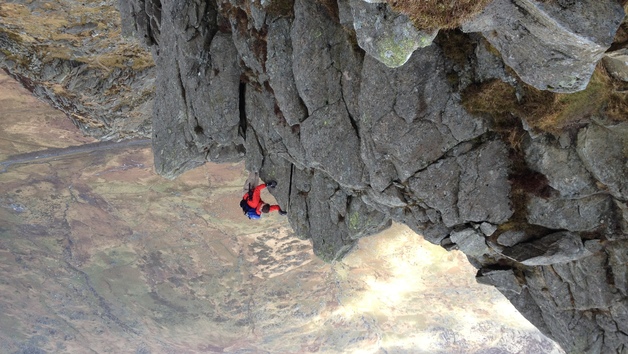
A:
(552, 45)
(71, 55)
(355, 144)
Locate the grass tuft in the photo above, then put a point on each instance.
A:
(438, 14)
(546, 111)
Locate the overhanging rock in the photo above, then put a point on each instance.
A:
(552, 45)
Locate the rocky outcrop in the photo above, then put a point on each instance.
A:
(388, 36)
(552, 45)
(356, 144)
(72, 56)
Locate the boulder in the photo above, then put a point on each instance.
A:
(561, 165)
(386, 35)
(616, 63)
(551, 45)
(604, 151)
(585, 214)
(471, 242)
(487, 228)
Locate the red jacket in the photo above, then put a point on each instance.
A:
(256, 201)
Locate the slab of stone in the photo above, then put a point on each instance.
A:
(604, 151)
(331, 144)
(562, 166)
(325, 65)
(560, 247)
(618, 258)
(503, 279)
(552, 45)
(484, 190)
(585, 214)
(437, 186)
(471, 242)
(587, 281)
(280, 75)
(511, 237)
(386, 35)
(616, 63)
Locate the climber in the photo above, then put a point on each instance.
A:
(252, 204)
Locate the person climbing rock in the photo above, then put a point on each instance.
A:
(252, 204)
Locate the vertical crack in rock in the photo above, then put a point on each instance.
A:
(352, 120)
(566, 284)
(242, 107)
(182, 88)
(290, 185)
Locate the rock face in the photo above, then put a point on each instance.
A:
(356, 144)
(389, 37)
(553, 45)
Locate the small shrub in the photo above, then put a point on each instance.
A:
(547, 111)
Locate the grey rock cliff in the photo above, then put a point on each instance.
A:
(355, 144)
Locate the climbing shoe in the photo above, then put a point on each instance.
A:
(271, 184)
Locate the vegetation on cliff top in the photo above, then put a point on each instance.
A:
(547, 111)
(436, 14)
(88, 33)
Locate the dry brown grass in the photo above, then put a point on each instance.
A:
(435, 14)
(126, 55)
(547, 111)
(49, 27)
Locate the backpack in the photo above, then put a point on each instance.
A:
(248, 211)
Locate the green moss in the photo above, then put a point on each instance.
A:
(354, 220)
(395, 53)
